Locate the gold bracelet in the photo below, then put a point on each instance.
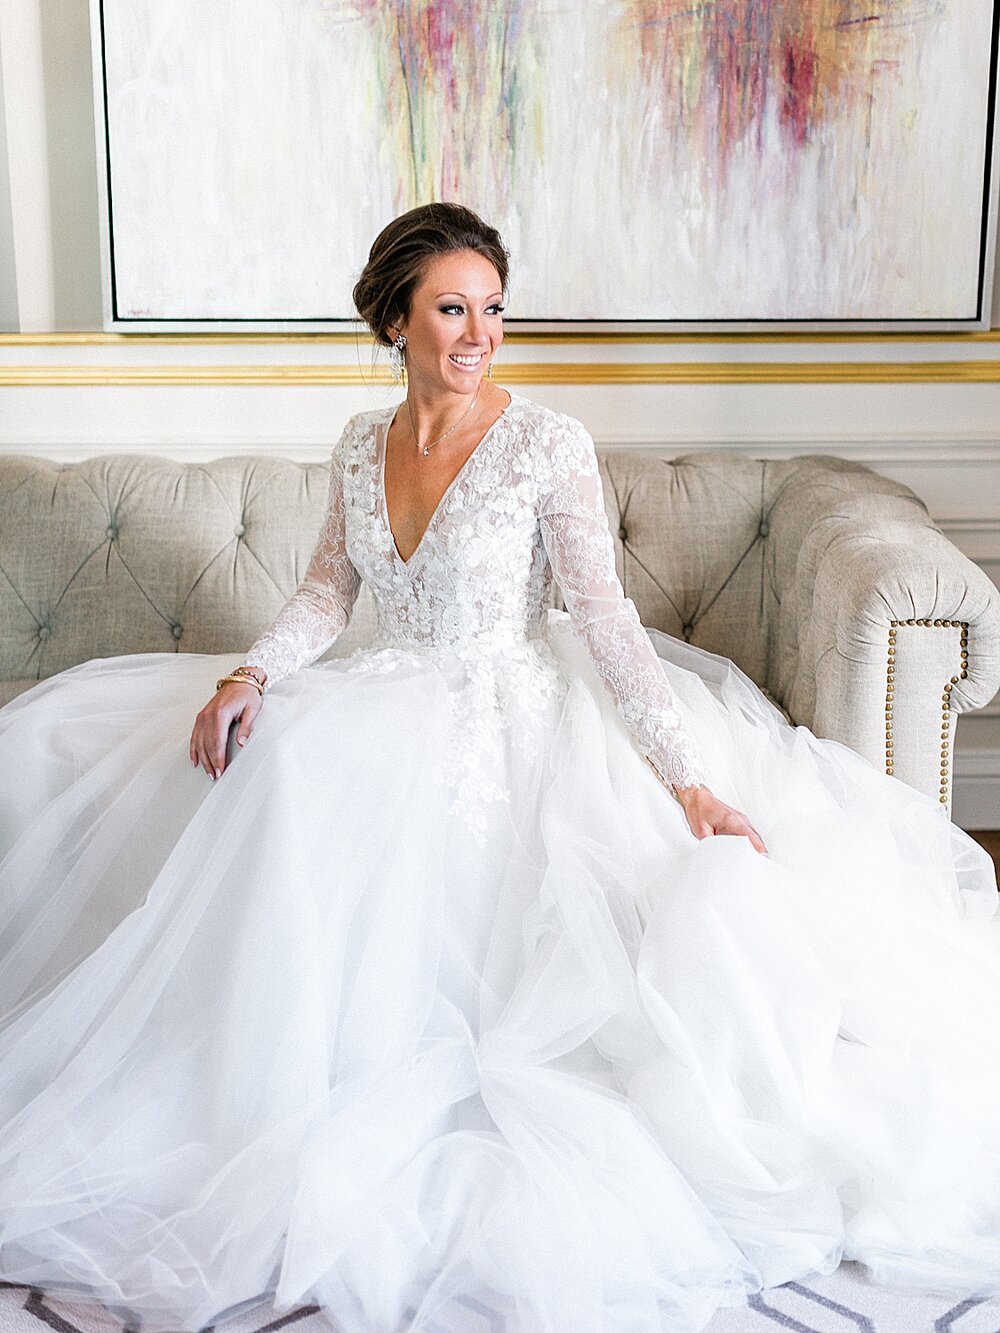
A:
(249, 670)
(240, 680)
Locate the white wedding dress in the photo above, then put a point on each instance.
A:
(431, 1009)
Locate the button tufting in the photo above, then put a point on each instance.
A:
(44, 631)
(111, 532)
(177, 630)
(622, 533)
(239, 529)
(687, 631)
(764, 528)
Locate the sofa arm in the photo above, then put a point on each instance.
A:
(898, 632)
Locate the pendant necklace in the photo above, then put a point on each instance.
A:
(426, 448)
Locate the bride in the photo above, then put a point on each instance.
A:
(465, 994)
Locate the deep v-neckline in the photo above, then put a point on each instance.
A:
(383, 449)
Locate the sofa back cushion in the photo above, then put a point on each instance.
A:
(128, 554)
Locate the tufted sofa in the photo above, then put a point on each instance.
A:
(827, 583)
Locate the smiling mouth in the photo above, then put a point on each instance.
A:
(466, 362)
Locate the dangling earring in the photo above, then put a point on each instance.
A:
(396, 362)
(489, 371)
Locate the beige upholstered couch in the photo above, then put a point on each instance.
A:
(828, 584)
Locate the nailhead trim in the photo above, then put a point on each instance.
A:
(890, 674)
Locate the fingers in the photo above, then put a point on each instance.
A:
(699, 825)
(756, 841)
(742, 827)
(208, 753)
(196, 750)
(247, 719)
(211, 732)
(722, 820)
(218, 752)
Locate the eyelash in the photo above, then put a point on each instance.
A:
(499, 309)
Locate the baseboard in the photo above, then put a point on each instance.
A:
(976, 797)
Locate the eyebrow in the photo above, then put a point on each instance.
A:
(441, 295)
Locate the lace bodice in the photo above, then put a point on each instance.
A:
(526, 506)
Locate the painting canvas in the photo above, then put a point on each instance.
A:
(692, 161)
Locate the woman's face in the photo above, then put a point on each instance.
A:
(455, 324)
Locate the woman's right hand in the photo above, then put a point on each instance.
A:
(211, 726)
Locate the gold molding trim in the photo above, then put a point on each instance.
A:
(361, 339)
(581, 373)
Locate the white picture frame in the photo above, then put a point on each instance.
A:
(250, 151)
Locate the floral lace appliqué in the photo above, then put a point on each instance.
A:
(526, 507)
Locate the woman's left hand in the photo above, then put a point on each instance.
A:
(708, 816)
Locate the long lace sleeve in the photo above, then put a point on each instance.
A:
(321, 606)
(580, 549)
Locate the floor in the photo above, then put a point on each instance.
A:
(841, 1302)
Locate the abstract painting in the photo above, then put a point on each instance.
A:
(673, 161)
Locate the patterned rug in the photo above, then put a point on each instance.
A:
(842, 1302)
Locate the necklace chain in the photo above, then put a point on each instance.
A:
(426, 448)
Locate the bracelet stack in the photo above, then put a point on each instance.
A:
(244, 675)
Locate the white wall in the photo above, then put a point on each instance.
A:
(8, 279)
(51, 192)
(942, 438)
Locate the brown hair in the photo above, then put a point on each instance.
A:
(401, 251)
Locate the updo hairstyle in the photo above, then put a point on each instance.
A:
(402, 250)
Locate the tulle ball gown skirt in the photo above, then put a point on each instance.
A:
(431, 1009)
